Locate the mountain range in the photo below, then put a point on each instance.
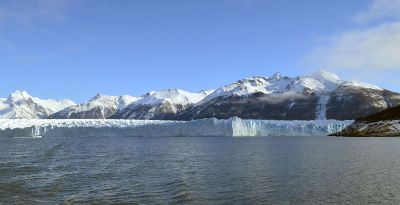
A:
(321, 95)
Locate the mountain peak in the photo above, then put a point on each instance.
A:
(18, 95)
(167, 93)
(206, 92)
(277, 75)
(100, 96)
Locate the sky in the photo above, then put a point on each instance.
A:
(77, 48)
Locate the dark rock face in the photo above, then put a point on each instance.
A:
(345, 103)
(349, 102)
(388, 114)
(257, 106)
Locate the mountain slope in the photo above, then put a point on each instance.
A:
(162, 104)
(20, 105)
(321, 95)
(352, 102)
(99, 107)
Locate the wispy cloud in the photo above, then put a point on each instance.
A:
(28, 12)
(379, 10)
(369, 52)
(376, 48)
(373, 46)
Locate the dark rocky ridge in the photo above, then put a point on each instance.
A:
(256, 106)
(348, 102)
(382, 124)
(345, 103)
(388, 114)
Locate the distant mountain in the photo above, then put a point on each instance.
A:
(20, 105)
(321, 95)
(99, 107)
(164, 104)
(381, 124)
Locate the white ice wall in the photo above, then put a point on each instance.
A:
(205, 127)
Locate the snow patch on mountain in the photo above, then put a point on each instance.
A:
(100, 100)
(18, 95)
(250, 86)
(53, 106)
(301, 84)
(321, 107)
(126, 100)
(173, 96)
(361, 85)
(320, 81)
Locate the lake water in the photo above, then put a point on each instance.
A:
(200, 170)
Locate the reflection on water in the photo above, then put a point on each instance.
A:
(264, 170)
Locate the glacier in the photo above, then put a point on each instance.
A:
(321, 107)
(234, 127)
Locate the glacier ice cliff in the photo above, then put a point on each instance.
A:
(204, 127)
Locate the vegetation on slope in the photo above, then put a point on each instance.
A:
(388, 114)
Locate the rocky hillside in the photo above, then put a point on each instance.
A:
(381, 124)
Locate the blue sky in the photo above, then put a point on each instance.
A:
(77, 48)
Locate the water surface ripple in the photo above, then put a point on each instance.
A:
(200, 170)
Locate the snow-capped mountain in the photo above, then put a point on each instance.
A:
(161, 104)
(318, 82)
(321, 95)
(99, 107)
(20, 105)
